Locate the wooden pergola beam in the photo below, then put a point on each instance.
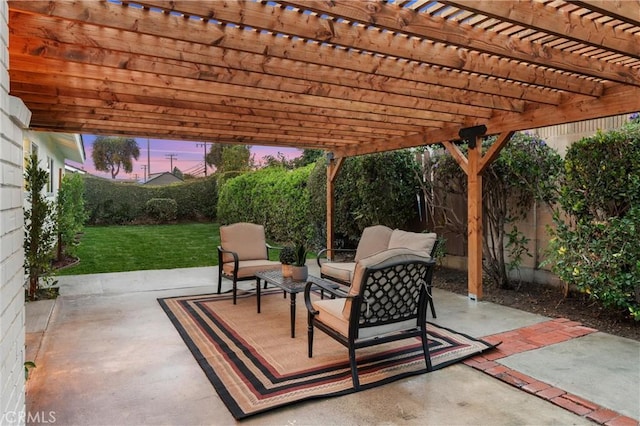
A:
(473, 164)
(333, 167)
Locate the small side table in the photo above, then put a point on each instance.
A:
(289, 286)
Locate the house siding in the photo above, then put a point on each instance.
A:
(12, 310)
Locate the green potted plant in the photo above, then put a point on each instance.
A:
(287, 258)
(299, 271)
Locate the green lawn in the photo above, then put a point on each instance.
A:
(130, 248)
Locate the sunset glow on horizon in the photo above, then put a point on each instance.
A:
(159, 155)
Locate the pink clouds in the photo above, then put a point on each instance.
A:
(162, 154)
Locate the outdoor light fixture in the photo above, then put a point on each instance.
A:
(469, 134)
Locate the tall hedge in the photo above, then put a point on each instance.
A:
(274, 197)
(595, 245)
(109, 202)
(369, 190)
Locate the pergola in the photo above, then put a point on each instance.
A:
(349, 77)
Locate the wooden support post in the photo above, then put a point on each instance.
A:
(333, 166)
(474, 221)
(473, 165)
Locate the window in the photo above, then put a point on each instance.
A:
(50, 170)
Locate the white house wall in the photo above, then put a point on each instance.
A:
(12, 309)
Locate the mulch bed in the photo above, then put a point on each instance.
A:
(547, 301)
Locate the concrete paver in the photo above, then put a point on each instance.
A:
(598, 367)
(110, 355)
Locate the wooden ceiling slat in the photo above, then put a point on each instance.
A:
(277, 139)
(245, 64)
(171, 68)
(356, 37)
(115, 92)
(625, 11)
(262, 16)
(283, 55)
(394, 18)
(308, 128)
(75, 100)
(226, 93)
(544, 18)
(351, 77)
(612, 103)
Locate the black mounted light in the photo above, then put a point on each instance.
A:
(469, 134)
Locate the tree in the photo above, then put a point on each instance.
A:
(527, 169)
(229, 158)
(112, 153)
(39, 228)
(178, 173)
(279, 160)
(236, 158)
(214, 156)
(308, 156)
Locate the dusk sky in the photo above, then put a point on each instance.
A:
(188, 156)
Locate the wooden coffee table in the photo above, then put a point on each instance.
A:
(289, 286)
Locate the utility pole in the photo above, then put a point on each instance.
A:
(205, 156)
(171, 157)
(144, 167)
(148, 158)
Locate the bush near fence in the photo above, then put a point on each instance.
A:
(291, 204)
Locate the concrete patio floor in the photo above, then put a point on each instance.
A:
(107, 354)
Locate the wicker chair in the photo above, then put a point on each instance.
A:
(386, 301)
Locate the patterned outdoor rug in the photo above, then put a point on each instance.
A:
(256, 366)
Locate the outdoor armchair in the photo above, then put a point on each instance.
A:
(375, 239)
(387, 301)
(242, 252)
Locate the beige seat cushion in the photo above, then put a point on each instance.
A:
(380, 260)
(374, 239)
(330, 313)
(421, 242)
(248, 268)
(246, 239)
(339, 270)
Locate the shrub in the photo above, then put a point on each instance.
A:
(274, 197)
(110, 203)
(39, 228)
(369, 190)
(71, 213)
(595, 246)
(162, 209)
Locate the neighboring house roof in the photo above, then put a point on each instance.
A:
(164, 178)
(71, 169)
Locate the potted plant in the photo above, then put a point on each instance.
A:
(299, 271)
(287, 258)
